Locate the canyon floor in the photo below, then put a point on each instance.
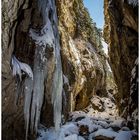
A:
(99, 121)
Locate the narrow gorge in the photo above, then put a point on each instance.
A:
(58, 83)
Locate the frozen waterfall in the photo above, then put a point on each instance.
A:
(47, 37)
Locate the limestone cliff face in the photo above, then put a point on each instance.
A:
(121, 33)
(84, 68)
(30, 33)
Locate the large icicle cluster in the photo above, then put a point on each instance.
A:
(28, 88)
(38, 87)
(18, 67)
(47, 37)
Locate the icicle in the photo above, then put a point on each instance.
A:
(57, 96)
(48, 37)
(58, 78)
(28, 88)
(38, 89)
(18, 67)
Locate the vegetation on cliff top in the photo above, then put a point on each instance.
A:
(86, 27)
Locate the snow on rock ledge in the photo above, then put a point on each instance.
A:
(105, 133)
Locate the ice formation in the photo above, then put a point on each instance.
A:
(47, 37)
(28, 88)
(18, 67)
(38, 89)
(57, 77)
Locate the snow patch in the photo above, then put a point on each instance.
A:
(105, 47)
(106, 133)
(124, 135)
(117, 123)
(88, 122)
(70, 128)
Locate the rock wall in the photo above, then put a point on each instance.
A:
(121, 33)
(84, 66)
(24, 27)
(12, 115)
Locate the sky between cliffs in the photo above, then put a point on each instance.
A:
(95, 8)
(96, 11)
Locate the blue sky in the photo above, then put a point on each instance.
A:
(95, 8)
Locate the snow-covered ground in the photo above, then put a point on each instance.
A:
(105, 46)
(91, 124)
(88, 128)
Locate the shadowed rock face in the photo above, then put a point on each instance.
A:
(121, 33)
(12, 115)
